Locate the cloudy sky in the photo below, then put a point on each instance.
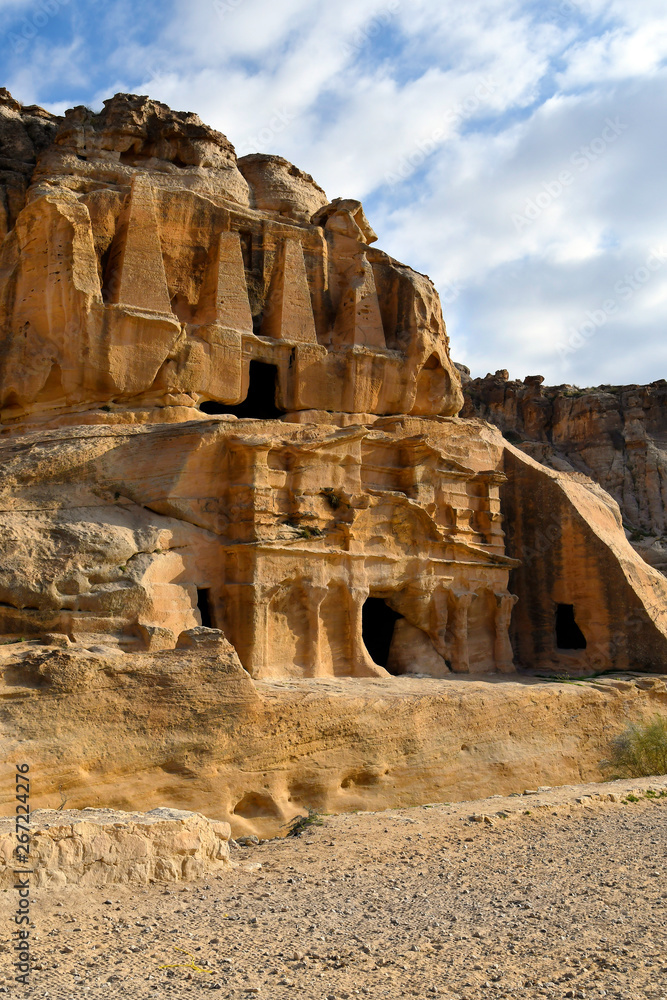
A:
(514, 150)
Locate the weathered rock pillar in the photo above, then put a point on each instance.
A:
(315, 596)
(502, 647)
(462, 602)
(224, 296)
(136, 275)
(288, 311)
(439, 619)
(254, 611)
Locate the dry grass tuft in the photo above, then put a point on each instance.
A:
(640, 751)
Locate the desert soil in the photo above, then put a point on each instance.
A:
(559, 896)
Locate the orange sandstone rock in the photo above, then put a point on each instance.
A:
(232, 458)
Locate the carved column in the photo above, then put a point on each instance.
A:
(314, 596)
(256, 629)
(357, 651)
(439, 617)
(461, 606)
(288, 311)
(502, 647)
(224, 295)
(135, 271)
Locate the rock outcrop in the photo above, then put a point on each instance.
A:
(278, 187)
(613, 434)
(105, 846)
(231, 458)
(193, 730)
(24, 133)
(277, 533)
(137, 276)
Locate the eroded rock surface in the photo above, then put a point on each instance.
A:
(615, 434)
(106, 846)
(24, 133)
(139, 276)
(234, 474)
(189, 727)
(277, 186)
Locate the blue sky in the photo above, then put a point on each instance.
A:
(514, 150)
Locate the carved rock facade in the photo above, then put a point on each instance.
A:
(139, 276)
(222, 406)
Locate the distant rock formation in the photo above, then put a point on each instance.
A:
(615, 434)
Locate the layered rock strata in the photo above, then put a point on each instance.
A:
(613, 434)
(192, 729)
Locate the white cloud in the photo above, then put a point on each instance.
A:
(616, 55)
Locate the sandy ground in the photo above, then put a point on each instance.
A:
(558, 896)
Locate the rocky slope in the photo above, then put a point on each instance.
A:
(615, 434)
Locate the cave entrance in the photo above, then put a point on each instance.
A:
(568, 633)
(260, 402)
(377, 628)
(205, 607)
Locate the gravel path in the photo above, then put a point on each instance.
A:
(559, 896)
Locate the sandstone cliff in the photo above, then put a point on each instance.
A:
(613, 434)
(149, 269)
(236, 495)
(24, 133)
(192, 730)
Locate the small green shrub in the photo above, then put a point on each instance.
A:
(300, 823)
(308, 532)
(332, 498)
(639, 751)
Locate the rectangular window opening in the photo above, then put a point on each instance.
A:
(205, 607)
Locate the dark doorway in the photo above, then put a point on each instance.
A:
(568, 633)
(260, 402)
(377, 628)
(205, 608)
